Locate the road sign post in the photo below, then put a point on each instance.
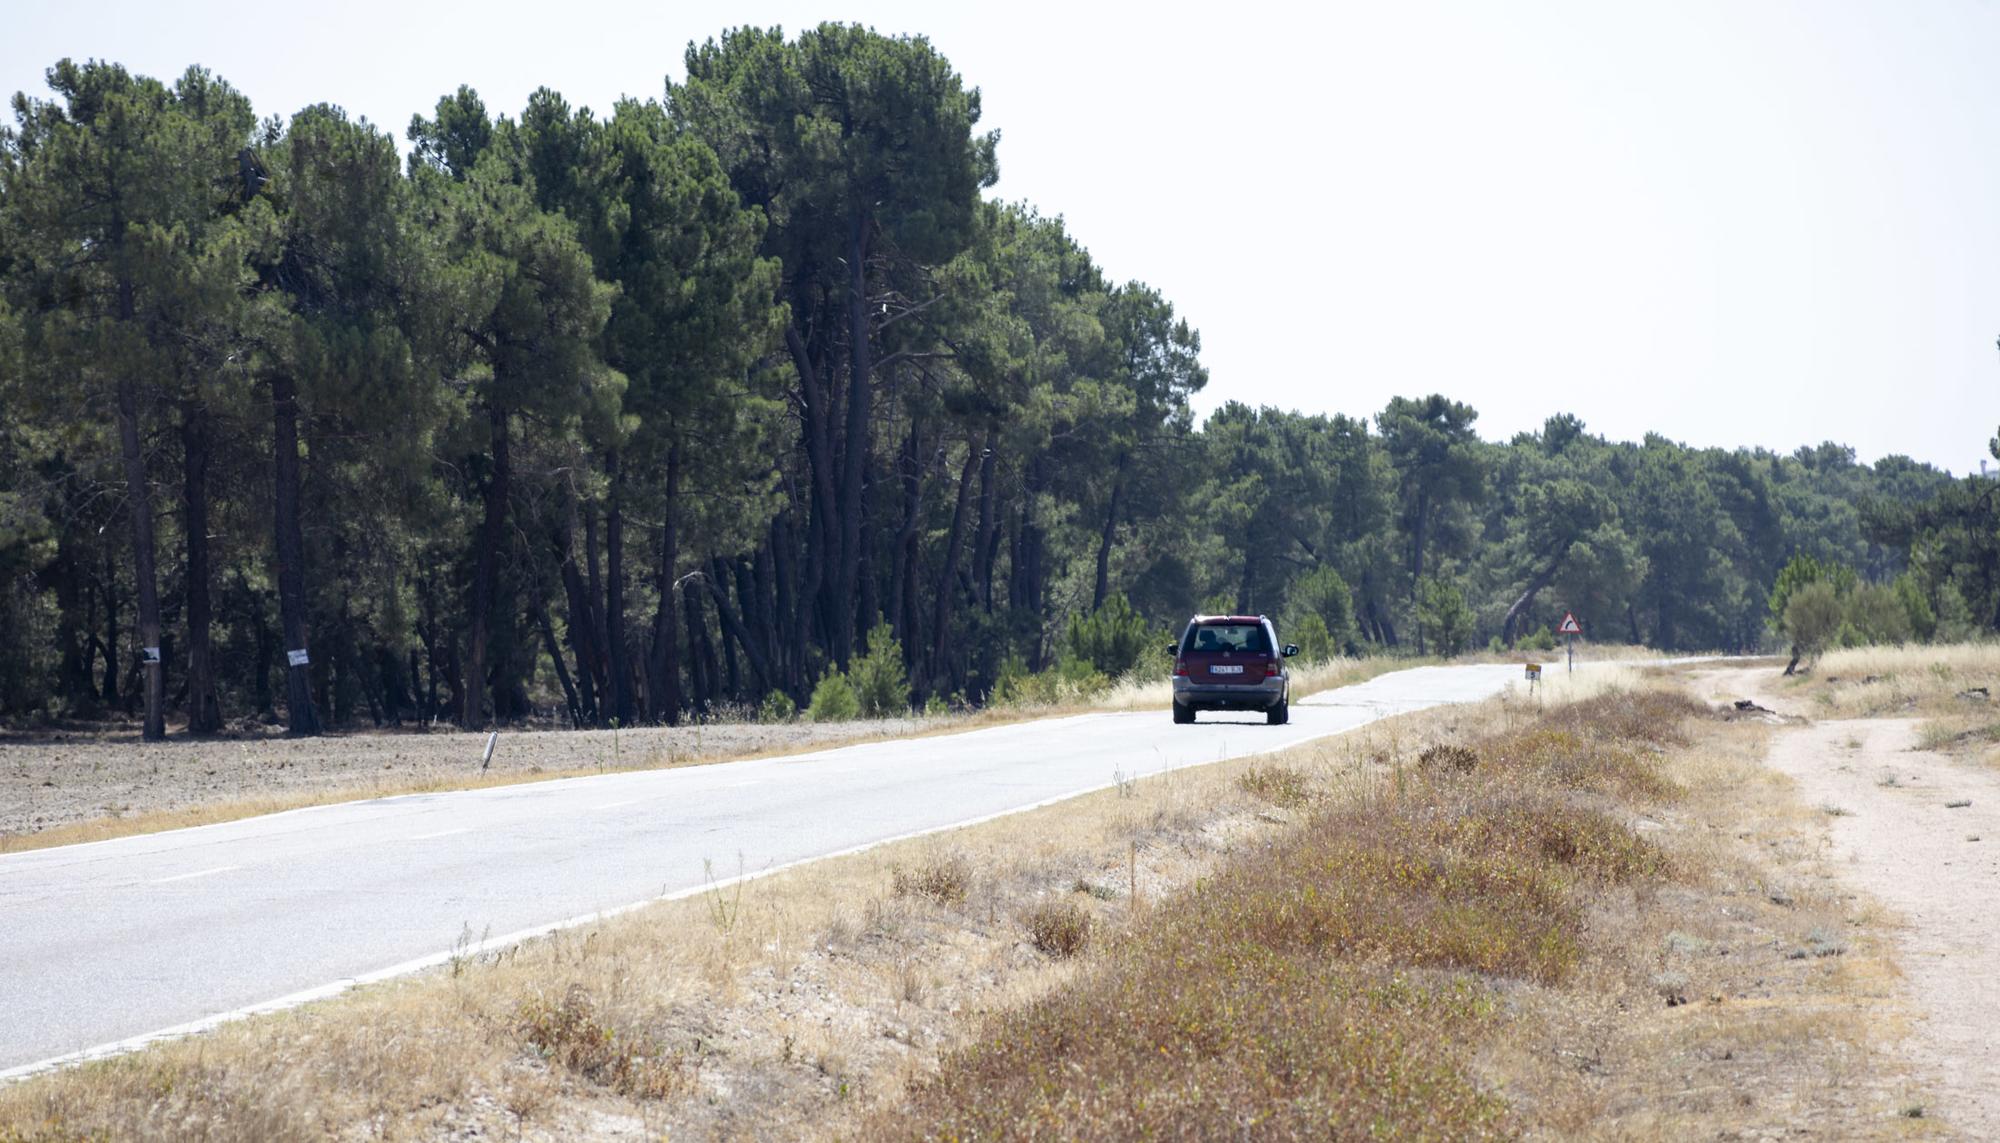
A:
(1570, 627)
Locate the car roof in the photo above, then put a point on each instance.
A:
(1221, 619)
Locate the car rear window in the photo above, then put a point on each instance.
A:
(1227, 637)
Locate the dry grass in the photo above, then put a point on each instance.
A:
(1907, 681)
(942, 879)
(1324, 985)
(1281, 786)
(778, 1009)
(1480, 946)
(1750, 996)
(1460, 950)
(1954, 689)
(1059, 928)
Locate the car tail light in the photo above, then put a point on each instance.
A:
(1180, 668)
(1272, 668)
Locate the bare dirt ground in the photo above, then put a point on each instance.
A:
(47, 783)
(1919, 831)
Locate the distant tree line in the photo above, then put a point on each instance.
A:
(698, 404)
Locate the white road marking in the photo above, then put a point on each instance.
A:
(440, 833)
(192, 876)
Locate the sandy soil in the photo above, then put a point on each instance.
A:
(50, 782)
(1898, 832)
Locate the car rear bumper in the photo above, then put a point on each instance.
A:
(1239, 696)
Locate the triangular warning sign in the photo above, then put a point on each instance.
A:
(1569, 625)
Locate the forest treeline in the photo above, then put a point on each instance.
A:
(629, 417)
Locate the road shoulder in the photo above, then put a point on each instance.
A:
(1917, 831)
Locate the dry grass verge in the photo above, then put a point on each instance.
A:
(1576, 935)
(785, 1007)
(1480, 945)
(1326, 985)
(1890, 682)
(1954, 689)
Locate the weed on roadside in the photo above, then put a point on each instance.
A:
(942, 879)
(568, 1033)
(1279, 785)
(1058, 928)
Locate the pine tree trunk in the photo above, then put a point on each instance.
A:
(139, 496)
(110, 631)
(595, 610)
(734, 632)
(1527, 597)
(288, 543)
(204, 711)
(666, 649)
(786, 605)
(266, 647)
(556, 657)
(853, 504)
(73, 626)
(623, 706)
(815, 413)
(582, 629)
(989, 523)
(1103, 589)
(485, 574)
(903, 554)
(941, 611)
(698, 679)
(1244, 583)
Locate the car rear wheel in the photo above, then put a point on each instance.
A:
(1280, 714)
(1183, 714)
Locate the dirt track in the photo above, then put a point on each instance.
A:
(45, 784)
(1897, 833)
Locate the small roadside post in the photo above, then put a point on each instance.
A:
(1534, 673)
(1571, 628)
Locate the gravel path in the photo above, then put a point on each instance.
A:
(1900, 834)
(48, 783)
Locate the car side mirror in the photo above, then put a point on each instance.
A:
(1173, 648)
(1290, 650)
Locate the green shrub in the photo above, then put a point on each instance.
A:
(1443, 615)
(936, 707)
(1540, 640)
(833, 699)
(777, 707)
(880, 684)
(1877, 614)
(1321, 593)
(1111, 639)
(1813, 617)
(1310, 633)
(1068, 680)
(1916, 609)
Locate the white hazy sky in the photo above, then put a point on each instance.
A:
(1749, 223)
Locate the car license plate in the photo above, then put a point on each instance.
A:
(1232, 669)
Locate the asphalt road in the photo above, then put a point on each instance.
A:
(107, 944)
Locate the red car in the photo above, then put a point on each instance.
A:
(1231, 662)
